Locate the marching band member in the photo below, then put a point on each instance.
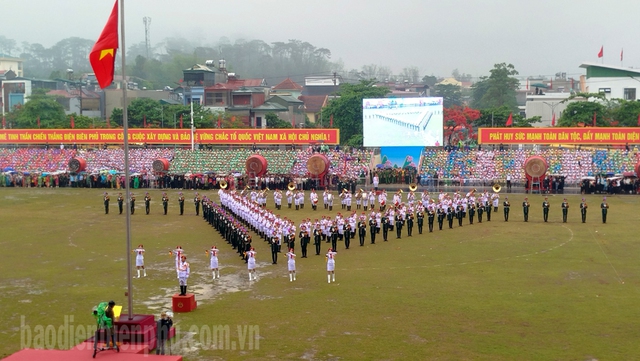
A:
(372, 199)
(362, 228)
(472, 210)
(120, 202)
(314, 199)
(330, 201)
(325, 198)
(140, 260)
(196, 203)
(317, 238)
(277, 198)
(213, 261)
(331, 265)
(382, 200)
(181, 202)
(347, 200)
(291, 265)
(289, 195)
(132, 200)
(545, 208)
(358, 197)
(495, 199)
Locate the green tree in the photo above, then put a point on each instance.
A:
(626, 113)
(451, 94)
(347, 109)
(581, 113)
(274, 122)
(497, 117)
(41, 105)
(430, 80)
(498, 89)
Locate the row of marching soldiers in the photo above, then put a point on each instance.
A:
(232, 229)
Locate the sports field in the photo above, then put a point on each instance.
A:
(491, 291)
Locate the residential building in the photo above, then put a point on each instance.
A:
(614, 82)
(10, 63)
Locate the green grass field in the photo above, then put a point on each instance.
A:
(491, 291)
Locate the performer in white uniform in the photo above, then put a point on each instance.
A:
(251, 264)
(140, 260)
(331, 265)
(291, 265)
(213, 254)
(178, 252)
(183, 274)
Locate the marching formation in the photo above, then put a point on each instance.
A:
(239, 213)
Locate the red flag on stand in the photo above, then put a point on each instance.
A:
(639, 120)
(108, 123)
(509, 120)
(219, 121)
(594, 119)
(553, 120)
(180, 121)
(38, 122)
(601, 52)
(144, 122)
(73, 124)
(331, 121)
(103, 53)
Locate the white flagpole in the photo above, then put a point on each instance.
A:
(125, 125)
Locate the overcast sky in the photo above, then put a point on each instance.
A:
(540, 37)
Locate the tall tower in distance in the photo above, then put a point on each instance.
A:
(147, 36)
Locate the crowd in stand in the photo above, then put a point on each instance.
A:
(205, 168)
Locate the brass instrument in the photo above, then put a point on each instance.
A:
(413, 187)
(497, 188)
(291, 186)
(247, 187)
(223, 184)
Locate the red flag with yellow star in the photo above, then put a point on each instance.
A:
(103, 54)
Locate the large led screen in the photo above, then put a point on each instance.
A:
(402, 122)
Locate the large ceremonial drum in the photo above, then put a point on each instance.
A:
(160, 165)
(318, 164)
(637, 169)
(256, 164)
(77, 164)
(535, 166)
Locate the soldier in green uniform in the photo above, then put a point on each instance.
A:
(196, 202)
(362, 230)
(450, 215)
(441, 215)
(347, 234)
(274, 249)
(147, 202)
(399, 224)
(545, 209)
(583, 210)
(181, 203)
(373, 229)
(165, 202)
(506, 206)
(410, 217)
(565, 210)
(106, 203)
(317, 238)
(133, 203)
(487, 209)
(525, 209)
(604, 206)
(304, 240)
(120, 202)
(459, 213)
(385, 227)
(480, 209)
(420, 218)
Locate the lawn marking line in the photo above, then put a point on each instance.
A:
(607, 257)
(478, 261)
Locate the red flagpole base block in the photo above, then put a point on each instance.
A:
(184, 303)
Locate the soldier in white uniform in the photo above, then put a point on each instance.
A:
(331, 265)
(251, 264)
(291, 264)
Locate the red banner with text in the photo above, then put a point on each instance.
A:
(170, 136)
(587, 135)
